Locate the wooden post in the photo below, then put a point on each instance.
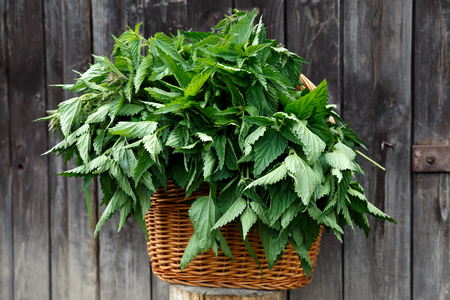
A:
(184, 292)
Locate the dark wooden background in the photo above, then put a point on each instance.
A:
(388, 68)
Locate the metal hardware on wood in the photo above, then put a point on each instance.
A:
(431, 158)
(387, 144)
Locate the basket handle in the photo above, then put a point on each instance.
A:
(310, 86)
(307, 83)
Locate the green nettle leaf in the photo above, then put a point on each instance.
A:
(125, 212)
(118, 200)
(100, 115)
(142, 71)
(236, 96)
(144, 162)
(302, 252)
(190, 252)
(248, 218)
(135, 47)
(313, 146)
(209, 162)
(115, 107)
(314, 102)
(232, 213)
(169, 50)
(130, 109)
(134, 129)
(129, 88)
(197, 83)
(252, 138)
(143, 194)
(69, 111)
(347, 151)
(203, 214)
(273, 177)
(338, 160)
(162, 94)
(146, 179)
(129, 162)
(219, 144)
(282, 196)
(122, 180)
(223, 244)
(289, 215)
(204, 137)
(243, 29)
(305, 180)
(98, 142)
(153, 145)
(268, 148)
(337, 174)
(273, 243)
(181, 76)
(84, 146)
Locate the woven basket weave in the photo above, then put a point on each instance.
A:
(170, 229)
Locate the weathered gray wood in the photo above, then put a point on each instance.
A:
(6, 239)
(113, 17)
(272, 12)
(431, 226)
(202, 15)
(124, 263)
(327, 276)
(74, 251)
(377, 100)
(160, 289)
(165, 16)
(313, 32)
(30, 213)
(185, 292)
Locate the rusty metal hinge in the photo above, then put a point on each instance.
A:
(431, 158)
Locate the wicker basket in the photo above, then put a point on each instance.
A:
(170, 229)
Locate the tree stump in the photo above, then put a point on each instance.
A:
(184, 292)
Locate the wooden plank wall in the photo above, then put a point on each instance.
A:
(387, 66)
(431, 221)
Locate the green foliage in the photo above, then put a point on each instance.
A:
(222, 108)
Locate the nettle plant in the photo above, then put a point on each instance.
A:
(220, 108)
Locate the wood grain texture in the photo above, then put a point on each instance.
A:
(6, 238)
(377, 93)
(272, 12)
(165, 16)
(113, 17)
(431, 226)
(123, 262)
(202, 15)
(313, 32)
(74, 251)
(160, 289)
(30, 213)
(327, 273)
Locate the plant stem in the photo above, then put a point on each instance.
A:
(370, 160)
